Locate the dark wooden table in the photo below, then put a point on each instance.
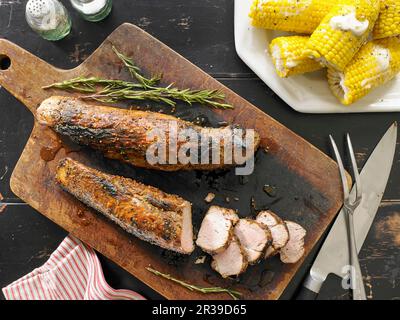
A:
(202, 31)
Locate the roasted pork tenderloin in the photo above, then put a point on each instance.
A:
(278, 229)
(144, 211)
(216, 229)
(131, 135)
(232, 261)
(293, 251)
(253, 237)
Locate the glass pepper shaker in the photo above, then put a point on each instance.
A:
(93, 10)
(48, 18)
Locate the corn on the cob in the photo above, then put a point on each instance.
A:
(388, 23)
(376, 63)
(342, 32)
(301, 16)
(288, 56)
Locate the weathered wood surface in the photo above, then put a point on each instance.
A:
(203, 33)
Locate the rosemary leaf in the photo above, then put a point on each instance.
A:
(234, 294)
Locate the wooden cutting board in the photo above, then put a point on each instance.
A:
(306, 180)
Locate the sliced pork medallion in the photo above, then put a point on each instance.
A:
(143, 138)
(230, 262)
(253, 237)
(294, 249)
(146, 212)
(216, 229)
(278, 228)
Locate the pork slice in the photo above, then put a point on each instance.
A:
(278, 229)
(232, 261)
(294, 249)
(216, 229)
(253, 238)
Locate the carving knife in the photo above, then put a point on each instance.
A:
(333, 257)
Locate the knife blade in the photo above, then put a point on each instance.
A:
(333, 256)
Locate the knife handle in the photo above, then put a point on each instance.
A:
(310, 288)
(306, 294)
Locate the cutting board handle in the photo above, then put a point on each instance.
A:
(23, 74)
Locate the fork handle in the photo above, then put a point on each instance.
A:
(356, 278)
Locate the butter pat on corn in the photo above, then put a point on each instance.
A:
(376, 63)
(342, 32)
(288, 56)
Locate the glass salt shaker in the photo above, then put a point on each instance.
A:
(93, 10)
(48, 18)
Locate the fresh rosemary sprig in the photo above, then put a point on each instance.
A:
(207, 97)
(109, 91)
(115, 93)
(89, 85)
(234, 294)
(135, 71)
(111, 95)
(106, 90)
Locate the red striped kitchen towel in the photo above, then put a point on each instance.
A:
(73, 272)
